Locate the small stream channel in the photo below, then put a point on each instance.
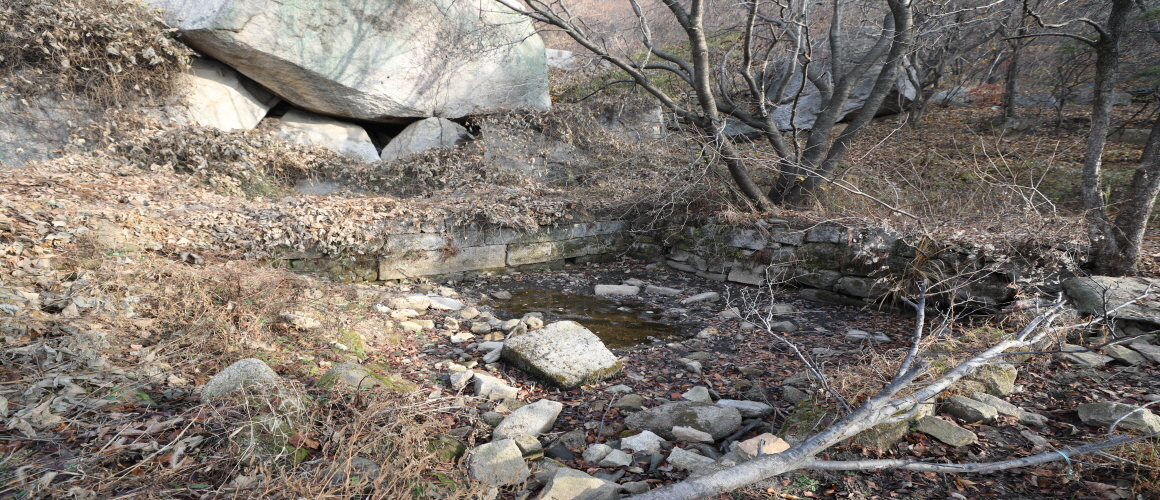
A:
(618, 322)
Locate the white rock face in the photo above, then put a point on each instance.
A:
(374, 60)
(301, 127)
(423, 135)
(236, 376)
(217, 99)
(564, 354)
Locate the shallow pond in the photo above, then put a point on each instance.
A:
(618, 322)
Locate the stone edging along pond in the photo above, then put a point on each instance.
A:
(832, 263)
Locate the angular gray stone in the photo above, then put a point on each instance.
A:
(784, 327)
(792, 394)
(661, 290)
(309, 129)
(970, 410)
(1085, 359)
(997, 378)
(1104, 414)
(718, 421)
(748, 409)
(861, 287)
(571, 484)
(492, 388)
(425, 134)
(533, 420)
(1148, 351)
(630, 402)
(1124, 355)
(698, 394)
(1099, 295)
(689, 461)
(460, 379)
(946, 432)
(1005, 408)
(445, 304)
(702, 297)
(498, 463)
(236, 376)
(645, 442)
(861, 335)
(615, 458)
(564, 354)
(399, 58)
(681, 433)
(596, 452)
(605, 290)
(529, 446)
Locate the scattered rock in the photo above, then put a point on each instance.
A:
(748, 409)
(689, 461)
(468, 313)
(480, 327)
(570, 484)
(596, 452)
(635, 487)
(792, 394)
(619, 388)
(645, 442)
(781, 309)
(764, 444)
(236, 376)
(1100, 295)
(309, 129)
(529, 446)
(491, 388)
(707, 333)
(410, 327)
(616, 458)
(660, 290)
(718, 421)
(1005, 408)
(861, 335)
(1082, 358)
(301, 320)
(534, 323)
(564, 353)
(970, 410)
(502, 295)
(1104, 414)
(491, 418)
(883, 436)
(997, 378)
(533, 420)
(445, 304)
(783, 327)
(946, 432)
(702, 297)
(559, 452)
(1148, 351)
(630, 402)
(606, 290)
(1123, 354)
(682, 433)
(1035, 439)
(699, 394)
(692, 366)
(498, 463)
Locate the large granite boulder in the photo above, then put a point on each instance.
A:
(717, 421)
(1099, 295)
(564, 354)
(423, 135)
(309, 129)
(374, 60)
(215, 97)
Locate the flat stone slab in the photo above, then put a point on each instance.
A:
(1106, 413)
(237, 375)
(970, 410)
(1124, 354)
(1076, 355)
(606, 290)
(748, 409)
(498, 463)
(1099, 295)
(718, 421)
(533, 420)
(946, 432)
(702, 297)
(563, 354)
(687, 460)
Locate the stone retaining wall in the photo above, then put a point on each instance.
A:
(833, 263)
(453, 254)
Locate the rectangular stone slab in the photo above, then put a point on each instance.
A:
(563, 354)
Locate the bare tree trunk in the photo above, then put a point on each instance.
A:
(798, 188)
(1136, 209)
(1106, 248)
(1011, 86)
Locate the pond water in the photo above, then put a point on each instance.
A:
(618, 323)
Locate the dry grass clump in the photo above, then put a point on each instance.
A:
(110, 51)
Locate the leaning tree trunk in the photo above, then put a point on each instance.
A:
(1136, 209)
(1106, 246)
(1011, 86)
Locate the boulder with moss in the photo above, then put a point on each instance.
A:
(563, 354)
